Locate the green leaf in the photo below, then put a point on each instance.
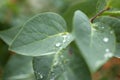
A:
(67, 65)
(113, 22)
(95, 41)
(19, 68)
(81, 5)
(8, 35)
(101, 4)
(4, 54)
(41, 35)
(48, 67)
(115, 3)
(76, 68)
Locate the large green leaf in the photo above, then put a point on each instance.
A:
(43, 34)
(68, 65)
(95, 41)
(19, 68)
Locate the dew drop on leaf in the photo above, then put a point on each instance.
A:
(102, 27)
(105, 39)
(56, 63)
(68, 38)
(107, 50)
(64, 38)
(108, 55)
(111, 32)
(52, 78)
(41, 76)
(58, 44)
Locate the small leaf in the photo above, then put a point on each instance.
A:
(95, 41)
(102, 4)
(41, 35)
(19, 68)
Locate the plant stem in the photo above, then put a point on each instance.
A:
(98, 14)
(112, 13)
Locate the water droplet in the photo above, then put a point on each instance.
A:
(68, 38)
(52, 78)
(108, 55)
(58, 44)
(111, 32)
(107, 50)
(102, 27)
(105, 39)
(56, 63)
(64, 38)
(41, 76)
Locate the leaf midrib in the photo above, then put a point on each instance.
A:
(42, 39)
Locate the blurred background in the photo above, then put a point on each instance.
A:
(14, 13)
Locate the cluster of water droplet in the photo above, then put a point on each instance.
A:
(52, 77)
(39, 75)
(65, 38)
(108, 54)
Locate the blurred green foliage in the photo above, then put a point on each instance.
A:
(13, 13)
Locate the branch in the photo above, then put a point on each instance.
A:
(98, 14)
